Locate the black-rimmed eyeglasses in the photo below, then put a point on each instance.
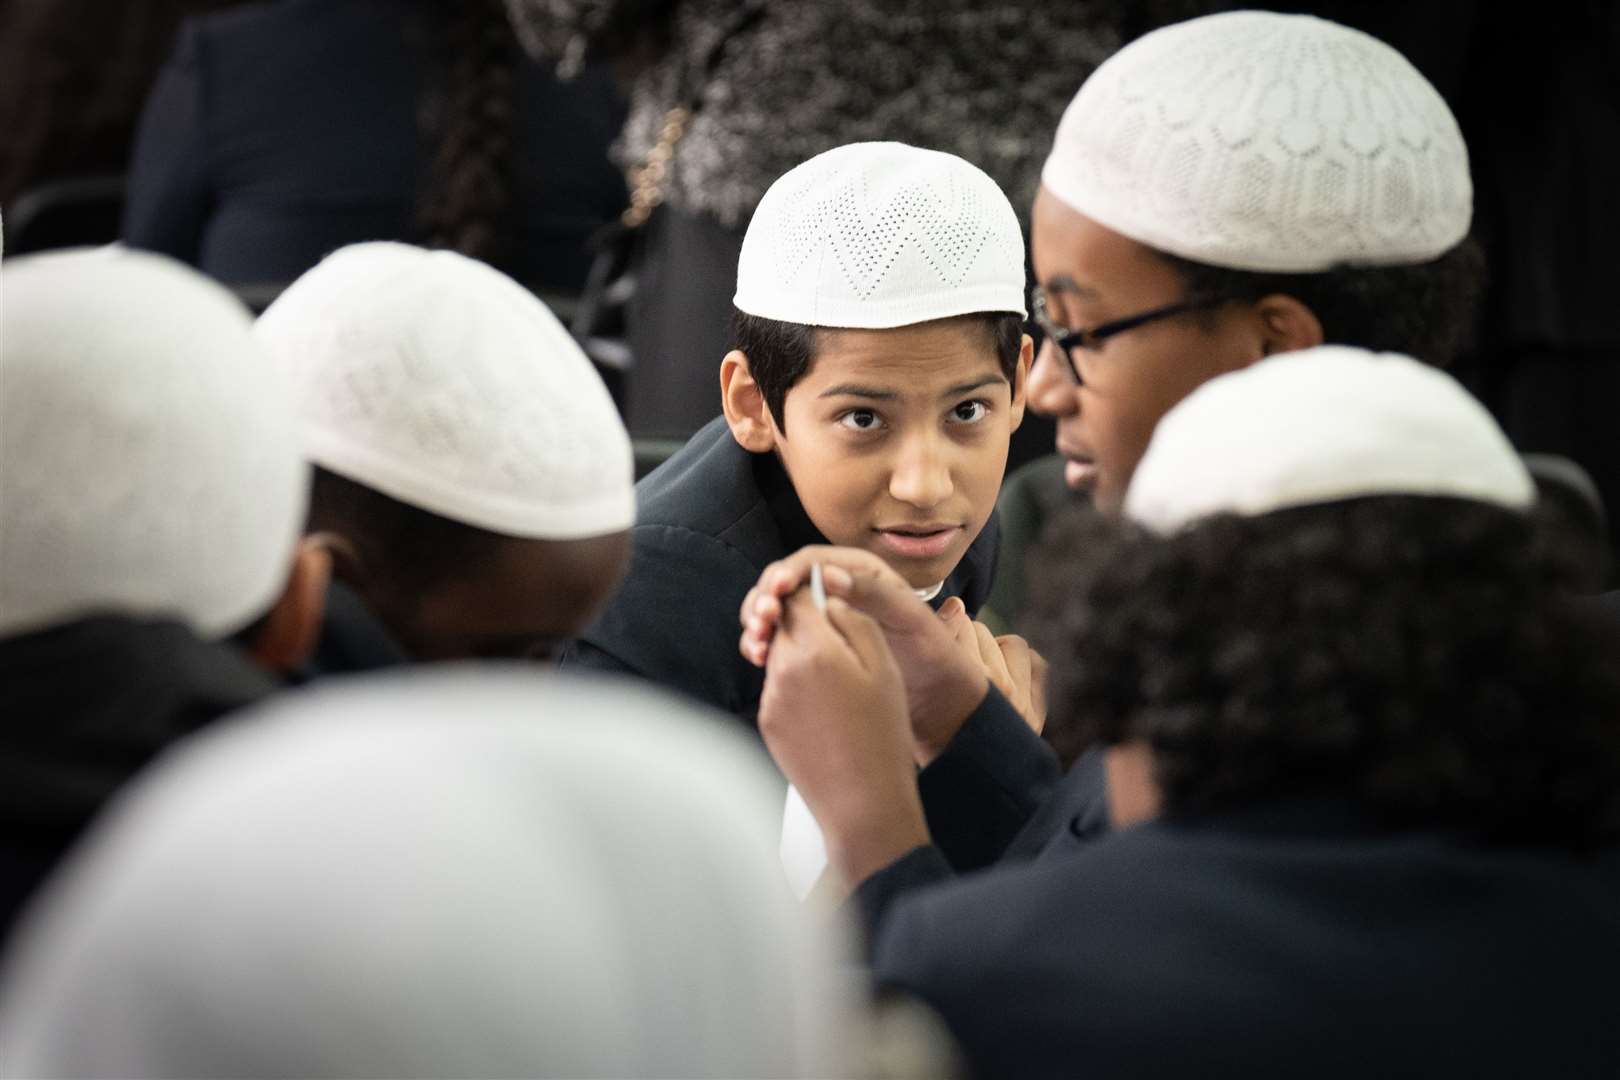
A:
(1090, 339)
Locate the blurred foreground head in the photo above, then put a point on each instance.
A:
(496, 873)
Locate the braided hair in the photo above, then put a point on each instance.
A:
(468, 123)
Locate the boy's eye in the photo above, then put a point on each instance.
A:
(970, 412)
(861, 420)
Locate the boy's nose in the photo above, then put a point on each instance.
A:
(922, 475)
(1052, 390)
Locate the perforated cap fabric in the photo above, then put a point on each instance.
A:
(149, 459)
(441, 382)
(878, 235)
(1259, 141)
(1318, 426)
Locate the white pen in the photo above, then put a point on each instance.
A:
(818, 590)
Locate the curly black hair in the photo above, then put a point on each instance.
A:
(780, 353)
(1413, 654)
(1425, 310)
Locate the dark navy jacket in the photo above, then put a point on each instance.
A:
(279, 132)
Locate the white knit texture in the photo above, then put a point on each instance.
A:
(1317, 426)
(1259, 141)
(149, 459)
(440, 382)
(878, 235)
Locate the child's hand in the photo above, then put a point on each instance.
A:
(762, 607)
(943, 683)
(1014, 668)
(833, 715)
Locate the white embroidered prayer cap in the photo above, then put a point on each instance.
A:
(149, 459)
(1258, 141)
(441, 382)
(1319, 426)
(881, 234)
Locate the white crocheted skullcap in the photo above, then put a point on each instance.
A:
(149, 458)
(441, 382)
(1318, 426)
(881, 234)
(1258, 141)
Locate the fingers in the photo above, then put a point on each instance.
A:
(990, 655)
(761, 609)
(1018, 657)
(1037, 689)
(802, 625)
(864, 635)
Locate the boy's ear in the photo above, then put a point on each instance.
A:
(744, 405)
(293, 627)
(1020, 388)
(1287, 325)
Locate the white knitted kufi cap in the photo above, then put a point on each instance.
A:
(441, 382)
(1318, 426)
(149, 459)
(877, 235)
(1259, 141)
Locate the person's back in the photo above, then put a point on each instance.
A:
(1298, 939)
(1361, 762)
(151, 576)
(282, 131)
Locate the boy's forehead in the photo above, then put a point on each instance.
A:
(905, 360)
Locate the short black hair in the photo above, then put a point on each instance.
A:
(1409, 653)
(780, 353)
(1424, 310)
(400, 545)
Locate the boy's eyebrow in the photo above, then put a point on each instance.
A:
(1063, 283)
(877, 394)
(857, 390)
(968, 387)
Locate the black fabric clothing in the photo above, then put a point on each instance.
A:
(708, 522)
(1289, 939)
(279, 132)
(86, 705)
(353, 639)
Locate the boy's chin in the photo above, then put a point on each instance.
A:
(922, 573)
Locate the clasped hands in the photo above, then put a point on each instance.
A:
(860, 696)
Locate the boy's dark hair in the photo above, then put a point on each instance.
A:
(1426, 310)
(399, 545)
(1411, 654)
(780, 353)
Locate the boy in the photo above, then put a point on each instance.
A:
(878, 374)
(471, 476)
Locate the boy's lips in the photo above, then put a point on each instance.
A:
(1079, 475)
(1079, 469)
(928, 541)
